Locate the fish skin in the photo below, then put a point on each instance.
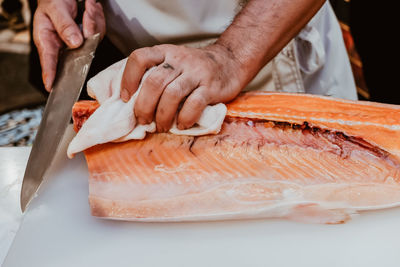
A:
(323, 164)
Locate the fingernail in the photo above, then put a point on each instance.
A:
(125, 95)
(74, 39)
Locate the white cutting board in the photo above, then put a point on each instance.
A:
(59, 231)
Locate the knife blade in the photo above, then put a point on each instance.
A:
(74, 66)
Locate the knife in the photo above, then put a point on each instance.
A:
(73, 68)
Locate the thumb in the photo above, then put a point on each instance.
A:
(66, 27)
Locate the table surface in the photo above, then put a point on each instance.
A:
(59, 231)
(12, 166)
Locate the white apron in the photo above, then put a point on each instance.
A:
(314, 62)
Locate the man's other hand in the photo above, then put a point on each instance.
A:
(184, 81)
(54, 27)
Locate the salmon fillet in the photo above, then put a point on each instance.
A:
(301, 157)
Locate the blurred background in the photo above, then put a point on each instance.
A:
(21, 104)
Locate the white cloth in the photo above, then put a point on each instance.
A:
(320, 54)
(115, 121)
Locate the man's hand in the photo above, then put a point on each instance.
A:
(54, 26)
(189, 76)
(217, 73)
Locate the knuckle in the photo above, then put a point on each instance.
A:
(164, 46)
(190, 57)
(197, 102)
(174, 92)
(64, 28)
(51, 5)
(137, 56)
(143, 112)
(99, 7)
(134, 55)
(153, 82)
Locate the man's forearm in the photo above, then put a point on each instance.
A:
(263, 28)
